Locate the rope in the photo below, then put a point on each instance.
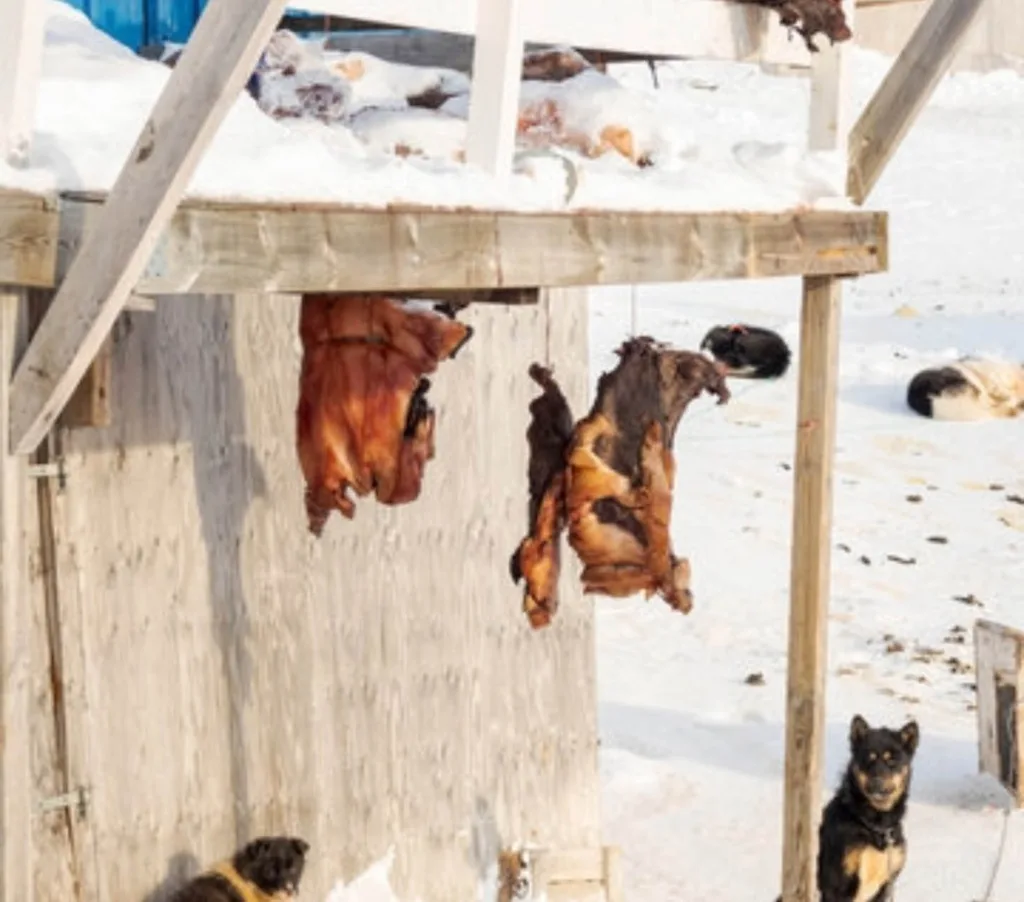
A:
(999, 858)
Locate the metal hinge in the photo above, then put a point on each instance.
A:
(52, 470)
(77, 799)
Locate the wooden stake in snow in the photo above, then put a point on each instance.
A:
(22, 26)
(212, 70)
(902, 95)
(494, 94)
(829, 122)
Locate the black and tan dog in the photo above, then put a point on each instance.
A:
(862, 848)
(268, 869)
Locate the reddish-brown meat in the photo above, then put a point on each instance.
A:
(614, 485)
(363, 420)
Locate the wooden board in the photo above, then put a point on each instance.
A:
(210, 248)
(16, 691)
(29, 228)
(893, 109)
(809, 587)
(999, 668)
(202, 87)
(22, 24)
(702, 29)
(377, 687)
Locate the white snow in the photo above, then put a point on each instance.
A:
(95, 96)
(691, 757)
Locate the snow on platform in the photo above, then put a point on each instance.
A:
(692, 756)
(717, 135)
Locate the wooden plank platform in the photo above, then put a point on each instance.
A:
(226, 248)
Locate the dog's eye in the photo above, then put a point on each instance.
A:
(887, 757)
(872, 757)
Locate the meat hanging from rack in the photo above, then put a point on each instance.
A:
(609, 479)
(363, 421)
(809, 18)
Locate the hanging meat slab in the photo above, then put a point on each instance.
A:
(363, 419)
(809, 18)
(613, 487)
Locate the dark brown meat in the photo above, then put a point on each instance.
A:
(363, 420)
(618, 479)
(810, 17)
(538, 557)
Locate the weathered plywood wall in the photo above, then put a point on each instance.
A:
(227, 675)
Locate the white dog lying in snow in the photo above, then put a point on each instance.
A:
(972, 388)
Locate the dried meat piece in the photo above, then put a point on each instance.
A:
(363, 419)
(616, 495)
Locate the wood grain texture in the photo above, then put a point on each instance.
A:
(16, 695)
(22, 28)
(904, 91)
(213, 248)
(29, 226)
(831, 106)
(206, 81)
(494, 91)
(999, 671)
(809, 587)
(377, 687)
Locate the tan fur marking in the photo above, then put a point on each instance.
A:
(874, 868)
(246, 890)
(895, 786)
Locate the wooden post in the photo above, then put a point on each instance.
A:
(829, 120)
(16, 782)
(809, 584)
(905, 90)
(204, 84)
(494, 94)
(999, 676)
(22, 29)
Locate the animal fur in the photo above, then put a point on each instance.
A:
(972, 388)
(515, 876)
(809, 18)
(862, 848)
(609, 479)
(747, 351)
(268, 869)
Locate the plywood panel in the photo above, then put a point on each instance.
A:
(377, 687)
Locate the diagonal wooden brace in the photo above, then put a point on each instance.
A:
(213, 68)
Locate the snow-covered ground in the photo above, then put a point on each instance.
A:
(692, 756)
(926, 513)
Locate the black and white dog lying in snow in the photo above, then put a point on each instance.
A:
(971, 388)
(749, 352)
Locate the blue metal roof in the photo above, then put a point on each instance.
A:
(138, 22)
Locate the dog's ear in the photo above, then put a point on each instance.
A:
(910, 735)
(300, 846)
(858, 730)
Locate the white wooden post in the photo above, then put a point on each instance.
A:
(831, 109)
(208, 78)
(494, 95)
(22, 30)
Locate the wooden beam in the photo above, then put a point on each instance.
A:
(29, 227)
(207, 80)
(694, 29)
(211, 248)
(831, 99)
(905, 90)
(809, 585)
(22, 30)
(17, 883)
(494, 92)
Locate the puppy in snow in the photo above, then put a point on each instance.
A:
(972, 388)
(748, 352)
